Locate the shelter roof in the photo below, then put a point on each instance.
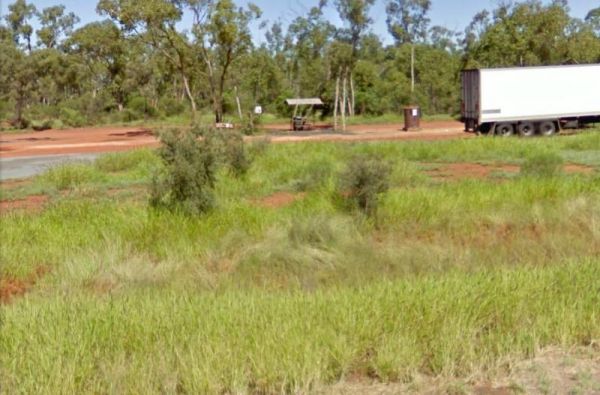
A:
(304, 102)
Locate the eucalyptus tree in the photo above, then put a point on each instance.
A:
(55, 25)
(582, 44)
(593, 19)
(18, 18)
(340, 55)
(17, 79)
(307, 42)
(156, 22)
(222, 36)
(8, 53)
(443, 38)
(102, 47)
(355, 15)
(408, 23)
(521, 34)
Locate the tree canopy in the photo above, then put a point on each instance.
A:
(139, 60)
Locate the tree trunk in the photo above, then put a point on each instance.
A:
(412, 69)
(188, 92)
(352, 97)
(344, 99)
(239, 106)
(218, 111)
(337, 101)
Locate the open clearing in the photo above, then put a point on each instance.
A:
(114, 139)
(474, 276)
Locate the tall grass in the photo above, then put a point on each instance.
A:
(156, 341)
(253, 299)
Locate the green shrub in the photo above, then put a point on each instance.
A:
(544, 164)
(315, 174)
(22, 123)
(365, 178)
(171, 107)
(188, 177)
(140, 105)
(250, 124)
(128, 115)
(40, 126)
(236, 156)
(72, 117)
(57, 124)
(228, 148)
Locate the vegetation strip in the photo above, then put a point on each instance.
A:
(165, 340)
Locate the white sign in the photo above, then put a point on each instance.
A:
(258, 110)
(415, 112)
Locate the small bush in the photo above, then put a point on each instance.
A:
(236, 155)
(128, 115)
(22, 123)
(140, 105)
(188, 177)
(365, 178)
(250, 125)
(171, 107)
(315, 174)
(40, 126)
(546, 164)
(229, 148)
(72, 117)
(58, 124)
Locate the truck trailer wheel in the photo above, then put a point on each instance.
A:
(547, 128)
(526, 129)
(505, 129)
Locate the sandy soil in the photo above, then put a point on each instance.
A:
(112, 139)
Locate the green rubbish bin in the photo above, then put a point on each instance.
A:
(412, 118)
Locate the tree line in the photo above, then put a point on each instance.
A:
(137, 62)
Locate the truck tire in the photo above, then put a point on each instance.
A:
(526, 129)
(505, 129)
(547, 128)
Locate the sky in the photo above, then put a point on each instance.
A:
(454, 15)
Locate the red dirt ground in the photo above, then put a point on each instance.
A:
(11, 287)
(9, 185)
(461, 171)
(280, 199)
(84, 140)
(112, 139)
(30, 203)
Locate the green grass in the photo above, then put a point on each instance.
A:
(449, 279)
(185, 120)
(153, 340)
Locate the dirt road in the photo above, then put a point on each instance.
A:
(112, 139)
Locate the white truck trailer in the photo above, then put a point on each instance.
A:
(530, 100)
